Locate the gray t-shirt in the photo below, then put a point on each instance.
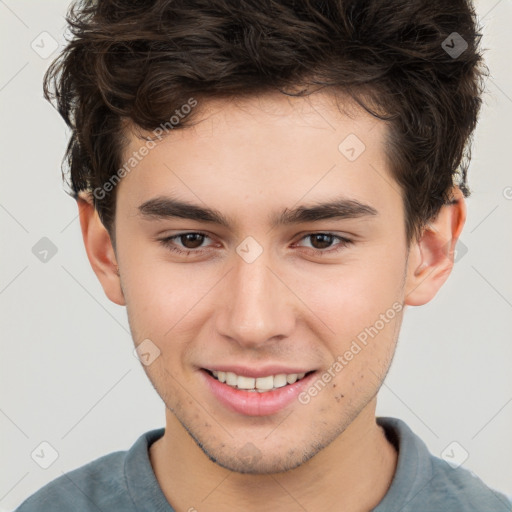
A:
(125, 482)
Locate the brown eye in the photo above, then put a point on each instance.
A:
(191, 240)
(186, 244)
(321, 240)
(323, 243)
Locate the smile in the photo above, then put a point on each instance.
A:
(260, 384)
(256, 396)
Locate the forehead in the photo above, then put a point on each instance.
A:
(265, 150)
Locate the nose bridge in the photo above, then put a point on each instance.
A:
(256, 304)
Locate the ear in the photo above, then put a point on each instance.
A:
(100, 250)
(431, 257)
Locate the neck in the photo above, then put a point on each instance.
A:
(353, 474)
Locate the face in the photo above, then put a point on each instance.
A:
(256, 286)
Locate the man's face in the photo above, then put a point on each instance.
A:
(261, 299)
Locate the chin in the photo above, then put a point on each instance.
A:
(264, 464)
(254, 460)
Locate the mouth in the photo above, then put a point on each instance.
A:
(256, 396)
(257, 384)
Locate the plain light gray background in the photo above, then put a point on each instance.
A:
(68, 373)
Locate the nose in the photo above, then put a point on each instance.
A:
(257, 306)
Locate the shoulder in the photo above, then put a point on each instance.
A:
(458, 489)
(86, 488)
(103, 484)
(426, 483)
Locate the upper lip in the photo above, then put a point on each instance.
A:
(263, 371)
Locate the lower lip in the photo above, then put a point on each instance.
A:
(254, 403)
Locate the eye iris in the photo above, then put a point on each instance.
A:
(325, 244)
(192, 241)
(197, 240)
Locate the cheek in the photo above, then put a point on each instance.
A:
(163, 295)
(165, 300)
(362, 306)
(354, 296)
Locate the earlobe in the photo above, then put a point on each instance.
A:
(100, 251)
(431, 257)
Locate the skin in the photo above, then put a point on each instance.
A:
(289, 306)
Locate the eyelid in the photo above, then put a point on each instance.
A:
(342, 244)
(166, 241)
(342, 239)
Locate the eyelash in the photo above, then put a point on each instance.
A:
(168, 243)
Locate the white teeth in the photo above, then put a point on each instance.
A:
(231, 379)
(280, 380)
(291, 378)
(264, 382)
(245, 382)
(260, 384)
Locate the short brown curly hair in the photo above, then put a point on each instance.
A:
(137, 61)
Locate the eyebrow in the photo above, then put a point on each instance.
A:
(163, 207)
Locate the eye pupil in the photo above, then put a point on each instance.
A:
(195, 243)
(325, 244)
